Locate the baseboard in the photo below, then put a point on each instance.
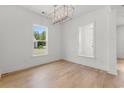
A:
(18, 71)
(112, 73)
(85, 65)
(109, 72)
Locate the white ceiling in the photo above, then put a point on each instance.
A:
(79, 9)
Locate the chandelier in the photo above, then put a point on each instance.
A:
(61, 13)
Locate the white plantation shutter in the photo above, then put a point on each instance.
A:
(86, 40)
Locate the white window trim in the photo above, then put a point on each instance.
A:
(46, 53)
(79, 54)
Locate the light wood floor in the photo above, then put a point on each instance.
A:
(64, 74)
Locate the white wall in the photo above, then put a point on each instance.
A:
(120, 20)
(104, 60)
(112, 42)
(120, 41)
(16, 39)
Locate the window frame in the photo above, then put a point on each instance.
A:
(94, 41)
(46, 53)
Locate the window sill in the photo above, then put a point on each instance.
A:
(40, 55)
(92, 57)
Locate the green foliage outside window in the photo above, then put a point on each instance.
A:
(40, 46)
(40, 36)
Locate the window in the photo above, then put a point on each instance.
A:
(40, 40)
(86, 40)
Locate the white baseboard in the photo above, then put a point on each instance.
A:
(109, 72)
(112, 73)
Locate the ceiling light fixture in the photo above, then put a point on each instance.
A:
(61, 13)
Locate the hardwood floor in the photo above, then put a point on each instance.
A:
(64, 74)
